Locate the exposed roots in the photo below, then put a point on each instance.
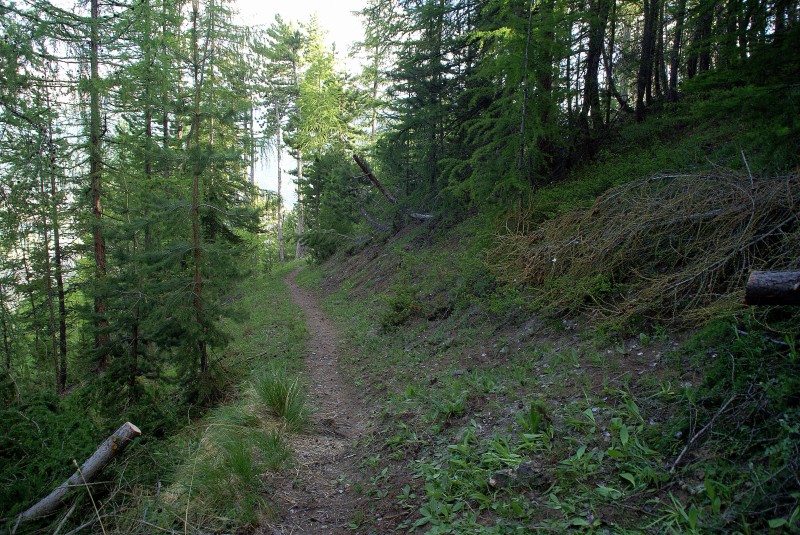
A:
(670, 248)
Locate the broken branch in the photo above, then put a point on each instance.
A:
(392, 199)
(112, 446)
(374, 180)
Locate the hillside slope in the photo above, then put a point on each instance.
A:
(502, 409)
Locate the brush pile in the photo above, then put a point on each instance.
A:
(673, 248)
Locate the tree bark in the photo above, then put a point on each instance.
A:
(111, 447)
(59, 275)
(676, 52)
(298, 251)
(377, 225)
(34, 309)
(101, 340)
(661, 80)
(197, 292)
(645, 75)
(525, 93)
(281, 252)
(599, 10)
(6, 325)
(773, 288)
(373, 179)
(48, 272)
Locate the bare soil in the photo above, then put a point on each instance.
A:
(318, 495)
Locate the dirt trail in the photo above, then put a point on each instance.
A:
(318, 496)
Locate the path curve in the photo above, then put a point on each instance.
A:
(318, 497)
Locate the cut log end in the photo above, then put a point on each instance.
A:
(773, 288)
(133, 429)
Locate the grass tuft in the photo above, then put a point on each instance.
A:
(284, 397)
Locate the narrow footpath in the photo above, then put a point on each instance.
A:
(318, 495)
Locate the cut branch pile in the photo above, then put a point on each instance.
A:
(670, 247)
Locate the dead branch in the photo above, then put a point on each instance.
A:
(701, 433)
(373, 179)
(667, 247)
(392, 199)
(109, 449)
(377, 225)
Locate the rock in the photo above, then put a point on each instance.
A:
(500, 479)
(529, 474)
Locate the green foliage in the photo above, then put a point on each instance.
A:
(749, 389)
(322, 244)
(400, 308)
(41, 437)
(221, 483)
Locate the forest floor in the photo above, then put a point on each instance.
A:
(445, 405)
(318, 496)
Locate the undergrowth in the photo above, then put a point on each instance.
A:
(510, 422)
(194, 468)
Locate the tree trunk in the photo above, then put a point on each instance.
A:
(48, 270)
(51, 309)
(660, 58)
(252, 145)
(374, 119)
(599, 10)
(391, 198)
(59, 275)
(101, 339)
(362, 164)
(281, 252)
(111, 447)
(675, 55)
(523, 141)
(773, 288)
(6, 324)
(652, 47)
(34, 309)
(645, 75)
(705, 20)
(607, 64)
(298, 251)
(197, 292)
(568, 79)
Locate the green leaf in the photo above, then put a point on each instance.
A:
(629, 478)
(778, 523)
(422, 521)
(623, 435)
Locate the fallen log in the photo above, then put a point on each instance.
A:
(773, 288)
(111, 447)
(392, 199)
(373, 179)
(377, 225)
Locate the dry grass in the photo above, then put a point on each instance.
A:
(671, 247)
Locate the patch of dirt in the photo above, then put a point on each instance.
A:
(319, 496)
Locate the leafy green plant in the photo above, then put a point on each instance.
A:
(400, 308)
(536, 415)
